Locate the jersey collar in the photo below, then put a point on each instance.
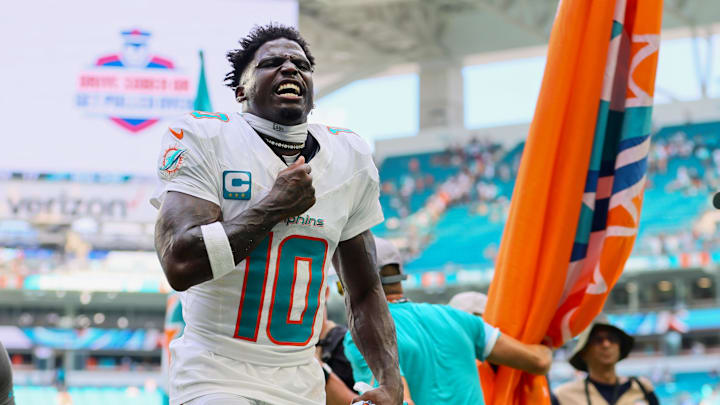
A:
(272, 162)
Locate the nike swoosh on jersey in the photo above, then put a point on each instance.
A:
(177, 135)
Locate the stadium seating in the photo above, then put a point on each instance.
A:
(396, 167)
(88, 395)
(35, 395)
(467, 232)
(694, 386)
(691, 387)
(460, 238)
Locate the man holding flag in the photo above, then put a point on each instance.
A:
(438, 344)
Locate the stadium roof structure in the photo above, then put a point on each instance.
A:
(355, 39)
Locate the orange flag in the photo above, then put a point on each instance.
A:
(577, 199)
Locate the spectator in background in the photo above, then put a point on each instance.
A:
(599, 348)
(438, 345)
(6, 382)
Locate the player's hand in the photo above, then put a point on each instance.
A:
(382, 395)
(293, 192)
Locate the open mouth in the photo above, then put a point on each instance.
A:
(289, 90)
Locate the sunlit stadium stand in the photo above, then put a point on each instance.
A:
(677, 195)
(87, 395)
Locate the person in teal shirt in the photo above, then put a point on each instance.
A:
(438, 344)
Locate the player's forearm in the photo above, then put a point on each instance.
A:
(369, 321)
(373, 331)
(182, 250)
(248, 229)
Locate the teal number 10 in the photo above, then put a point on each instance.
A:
(298, 268)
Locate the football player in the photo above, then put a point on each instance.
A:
(254, 205)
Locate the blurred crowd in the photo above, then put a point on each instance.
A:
(17, 263)
(479, 169)
(485, 170)
(479, 166)
(698, 171)
(682, 241)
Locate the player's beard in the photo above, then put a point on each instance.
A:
(290, 114)
(294, 114)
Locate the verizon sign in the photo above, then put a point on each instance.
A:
(64, 202)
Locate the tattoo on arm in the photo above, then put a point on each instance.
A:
(180, 245)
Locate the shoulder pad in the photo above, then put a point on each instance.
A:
(210, 115)
(200, 124)
(350, 137)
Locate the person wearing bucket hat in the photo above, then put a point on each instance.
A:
(438, 344)
(599, 348)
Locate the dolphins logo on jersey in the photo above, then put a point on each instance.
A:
(171, 162)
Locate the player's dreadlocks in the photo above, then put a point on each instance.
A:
(241, 57)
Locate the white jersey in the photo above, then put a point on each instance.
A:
(268, 311)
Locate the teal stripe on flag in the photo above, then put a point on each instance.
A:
(637, 122)
(617, 29)
(582, 234)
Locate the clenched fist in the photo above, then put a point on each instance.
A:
(293, 192)
(380, 396)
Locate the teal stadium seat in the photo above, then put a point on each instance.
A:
(694, 385)
(35, 395)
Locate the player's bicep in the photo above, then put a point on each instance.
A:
(188, 210)
(179, 214)
(355, 261)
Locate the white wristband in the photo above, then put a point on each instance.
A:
(218, 249)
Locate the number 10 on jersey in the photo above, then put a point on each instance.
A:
(296, 286)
